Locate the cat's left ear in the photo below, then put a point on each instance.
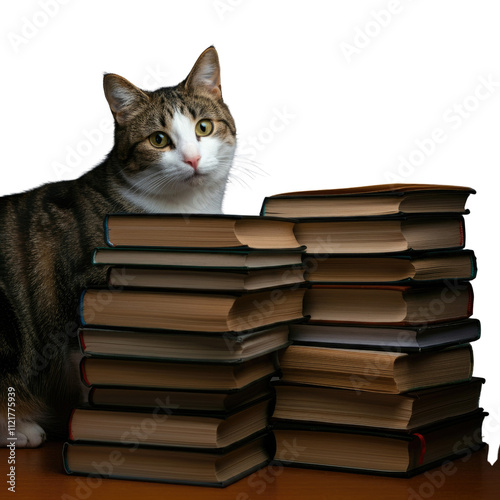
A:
(205, 75)
(124, 98)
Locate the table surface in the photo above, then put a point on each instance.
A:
(40, 475)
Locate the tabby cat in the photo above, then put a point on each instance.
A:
(173, 151)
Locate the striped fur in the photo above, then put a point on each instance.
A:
(47, 234)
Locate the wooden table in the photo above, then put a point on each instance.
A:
(40, 476)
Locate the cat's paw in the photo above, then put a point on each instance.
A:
(29, 434)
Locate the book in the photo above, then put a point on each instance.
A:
(153, 374)
(205, 278)
(165, 428)
(411, 268)
(330, 405)
(219, 467)
(208, 312)
(368, 200)
(395, 338)
(199, 230)
(234, 347)
(375, 371)
(387, 304)
(194, 257)
(377, 451)
(182, 401)
(381, 234)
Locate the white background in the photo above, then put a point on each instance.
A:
(324, 94)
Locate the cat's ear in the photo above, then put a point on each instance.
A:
(205, 75)
(124, 98)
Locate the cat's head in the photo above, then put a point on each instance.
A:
(175, 145)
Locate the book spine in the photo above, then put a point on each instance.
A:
(106, 231)
(81, 342)
(462, 232)
(90, 397)
(80, 307)
(471, 352)
(473, 265)
(94, 253)
(70, 429)
(262, 212)
(470, 305)
(65, 459)
(83, 375)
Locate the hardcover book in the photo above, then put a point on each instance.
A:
(375, 371)
(388, 234)
(182, 346)
(377, 451)
(199, 230)
(331, 405)
(190, 311)
(386, 304)
(412, 268)
(408, 338)
(369, 200)
(195, 466)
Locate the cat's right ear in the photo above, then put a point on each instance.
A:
(124, 98)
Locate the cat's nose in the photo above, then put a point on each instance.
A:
(192, 161)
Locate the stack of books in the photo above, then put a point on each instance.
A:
(179, 348)
(379, 380)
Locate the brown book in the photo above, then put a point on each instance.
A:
(181, 346)
(181, 401)
(171, 465)
(330, 405)
(199, 230)
(387, 268)
(172, 375)
(408, 338)
(375, 371)
(197, 257)
(378, 451)
(383, 199)
(205, 278)
(385, 304)
(190, 311)
(167, 428)
(380, 235)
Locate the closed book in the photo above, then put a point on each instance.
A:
(380, 199)
(190, 311)
(181, 346)
(406, 338)
(154, 374)
(387, 304)
(197, 257)
(194, 466)
(388, 234)
(413, 268)
(199, 231)
(375, 371)
(205, 279)
(164, 427)
(378, 451)
(331, 405)
(181, 401)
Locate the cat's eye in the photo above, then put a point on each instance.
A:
(204, 127)
(159, 140)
